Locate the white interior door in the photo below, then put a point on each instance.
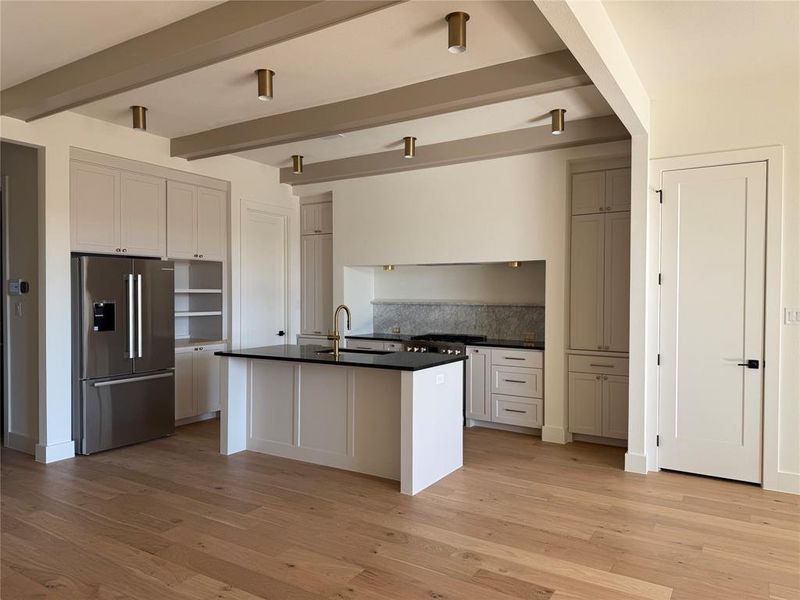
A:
(264, 278)
(712, 320)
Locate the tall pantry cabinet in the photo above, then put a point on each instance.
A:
(316, 265)
(599, 303)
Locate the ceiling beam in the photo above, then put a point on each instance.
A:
(495, 145)
(497, 83)
(210, 36)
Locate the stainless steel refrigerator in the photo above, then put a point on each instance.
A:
(123, 356)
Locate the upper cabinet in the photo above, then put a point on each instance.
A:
(600, 261)
(316, 218)
(196, 222)
(116, 212)
(601, 191)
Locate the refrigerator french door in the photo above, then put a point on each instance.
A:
(123, 351)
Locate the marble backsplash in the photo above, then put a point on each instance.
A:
(495, 321)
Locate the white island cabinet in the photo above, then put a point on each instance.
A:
(395, 415)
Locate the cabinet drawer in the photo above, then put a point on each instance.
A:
(509, 410)
(517, 358)
(598, 364)
(517, 382)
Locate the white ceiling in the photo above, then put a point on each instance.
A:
(37, 36)
(397, 46)
(580, 103)
(674, 45)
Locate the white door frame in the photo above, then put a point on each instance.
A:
(773, 155)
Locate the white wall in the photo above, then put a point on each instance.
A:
(513, 208)
(476, 283)
(20, 166)
(749, 115)
(249, 181)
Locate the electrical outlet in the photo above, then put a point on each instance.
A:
(440, 379)
(791, 316)
(18, 309)
(396, 329)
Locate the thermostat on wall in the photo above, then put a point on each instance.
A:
(17, 287)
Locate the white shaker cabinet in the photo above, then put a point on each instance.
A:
(478, 393)
(196, 222)
(316, 266)
(588, 192)
(586, 403)
(316, 218)
(143, 219)
(600, 264)
(197, 380)
(598, 398)
(113, 211)
(587, 255)
(615, 407)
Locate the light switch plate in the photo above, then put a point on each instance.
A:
(791, 316)
(439, 378)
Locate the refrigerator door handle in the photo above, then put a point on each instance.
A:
(139, 313)
(130, 316)
(131, 380)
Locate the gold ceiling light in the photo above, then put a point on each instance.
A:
(265, 84)
(457, 32)
(409, 147)
(139, 114)
(388, 267)
(297, 164)
(514, 264)
(557, 121)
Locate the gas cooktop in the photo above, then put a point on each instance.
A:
(443, 343)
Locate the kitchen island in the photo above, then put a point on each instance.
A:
(396, 415)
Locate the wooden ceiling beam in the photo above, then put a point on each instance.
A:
(594, 130)
(497, 83)
(210, 36)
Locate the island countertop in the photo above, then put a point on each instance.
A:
(399, 361)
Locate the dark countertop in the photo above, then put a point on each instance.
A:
(399, 361)
(399, 337)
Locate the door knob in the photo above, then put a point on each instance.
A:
(750, 364)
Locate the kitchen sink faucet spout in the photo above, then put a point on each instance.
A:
(336, 337)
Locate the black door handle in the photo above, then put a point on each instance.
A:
(281, 333)
(750, 364)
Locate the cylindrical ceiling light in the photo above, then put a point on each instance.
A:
(265, 84)
(139, 118)
(297, 164)
(457, 32)
(514, 264)
(388, 267)
(557, 118)
(409, 147)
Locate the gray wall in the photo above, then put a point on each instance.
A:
(20, 165)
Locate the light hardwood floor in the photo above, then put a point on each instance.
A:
(522, 519)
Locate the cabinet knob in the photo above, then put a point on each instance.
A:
(117, 250)
(601, 209)
(608, 208)
(201, 256)
(124, 249)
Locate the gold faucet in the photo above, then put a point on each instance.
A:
(336, 337)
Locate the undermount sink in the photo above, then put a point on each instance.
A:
(345, 351)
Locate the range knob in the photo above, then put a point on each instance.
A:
(449, 351)
(458, 351)
(423, 349)
(415, 349)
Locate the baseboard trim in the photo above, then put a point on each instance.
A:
(554, 435)
(788, 483)
(197, 418)
(55, 452)
(602, 441)
(503, 427)
(636, 463)
(21, 443)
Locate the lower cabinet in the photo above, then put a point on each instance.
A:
(598, 404)
(499, 393)
(197, 373)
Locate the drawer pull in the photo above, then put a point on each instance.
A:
(514, 410)
(514, 357)
(515, 381)
(599, 365)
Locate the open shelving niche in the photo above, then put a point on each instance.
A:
(198, 302)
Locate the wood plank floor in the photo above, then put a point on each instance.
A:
(522, 519)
